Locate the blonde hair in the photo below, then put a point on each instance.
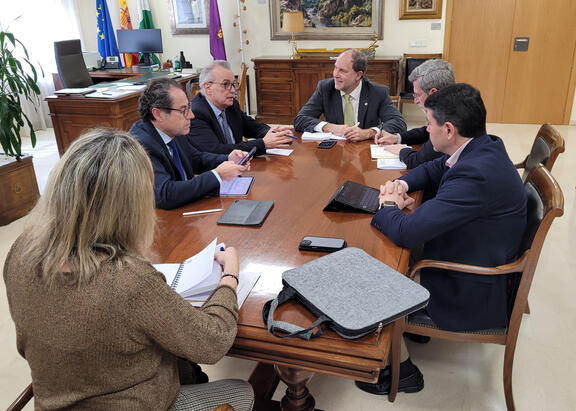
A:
(98, 207)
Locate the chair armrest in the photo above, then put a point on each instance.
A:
(513, 267)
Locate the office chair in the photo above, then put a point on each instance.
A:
(70, 63)
(545, 202)
(548, 144)
(409, 63)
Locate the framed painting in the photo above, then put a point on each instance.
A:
(189, 16)
(330, 20)
(420, 9)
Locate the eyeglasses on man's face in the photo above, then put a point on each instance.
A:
(227, 85)
(184, 111)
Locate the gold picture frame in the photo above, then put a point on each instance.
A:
(420, 9)
(328, 32)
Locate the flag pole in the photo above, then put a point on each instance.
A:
(246, 103)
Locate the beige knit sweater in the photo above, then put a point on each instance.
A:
(113, 344)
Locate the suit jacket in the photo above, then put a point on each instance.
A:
(478, 216)
(411, 157)
(169, 189)
(374, 105)
(207, 135)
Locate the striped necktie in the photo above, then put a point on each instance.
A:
(176, 158)
(348, 111)
(226, 128)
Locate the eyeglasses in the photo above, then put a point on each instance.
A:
(227, 85)
(183, 111)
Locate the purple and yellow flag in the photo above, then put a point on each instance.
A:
(216, 37)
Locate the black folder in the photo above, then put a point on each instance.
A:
(246, 212)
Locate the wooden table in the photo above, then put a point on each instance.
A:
(71, 116)
(300, 186)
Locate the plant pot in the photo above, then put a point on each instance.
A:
(18, 189)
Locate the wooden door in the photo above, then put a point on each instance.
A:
(538, 81)
(536, 86)
(477, 43)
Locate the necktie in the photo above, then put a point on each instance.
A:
(176, 158)
(348, 111)
(226, 128)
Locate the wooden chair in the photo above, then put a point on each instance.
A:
(545, 202)
(409, 63)
(241, 92)
(396, 101)
(548, 144)
(20, 402)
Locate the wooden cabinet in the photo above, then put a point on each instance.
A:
(283, 85)
(19, 190)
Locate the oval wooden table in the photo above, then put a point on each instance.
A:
(300, 186)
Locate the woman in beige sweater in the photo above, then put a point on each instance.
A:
(98, 325)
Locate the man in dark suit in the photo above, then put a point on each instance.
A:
(165, 113)
(427, 78)
(353, 106)
(478, 217)
(219, 125)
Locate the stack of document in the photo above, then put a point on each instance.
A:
(74, 91)
(390, 164)
(279, 151)
(307, 136)
(196, 278)
(377, 151)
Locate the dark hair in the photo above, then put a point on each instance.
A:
(359, 60)
(461, 105)
(156, 94)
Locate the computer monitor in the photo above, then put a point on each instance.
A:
(143, 41)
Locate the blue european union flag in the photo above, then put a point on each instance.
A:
(106, 38)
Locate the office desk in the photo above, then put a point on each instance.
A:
(300, 186)
(71, 116)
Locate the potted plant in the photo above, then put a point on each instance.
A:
(18, 80)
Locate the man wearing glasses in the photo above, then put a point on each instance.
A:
(165, 113)
(219, 124)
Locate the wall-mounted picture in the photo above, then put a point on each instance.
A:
(189, 16)
(420, 9)
(330, 19)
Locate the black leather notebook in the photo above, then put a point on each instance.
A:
(246, 212)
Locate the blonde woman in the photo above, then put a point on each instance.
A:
(98, 325)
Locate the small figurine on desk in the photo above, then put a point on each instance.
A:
(167, 65)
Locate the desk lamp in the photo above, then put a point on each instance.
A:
(293, 22)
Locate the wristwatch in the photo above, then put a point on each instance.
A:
(388, 203)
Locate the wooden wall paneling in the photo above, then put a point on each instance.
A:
(538, 81)
(478, 47)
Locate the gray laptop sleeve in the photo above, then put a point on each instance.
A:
(350, 291)
(246, 212)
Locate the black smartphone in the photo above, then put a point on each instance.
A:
(324, 244)
(327, 144)
(248, 156)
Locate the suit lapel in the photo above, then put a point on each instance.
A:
(219, 132)
(337, 106)
(173, 171)
(363, 103)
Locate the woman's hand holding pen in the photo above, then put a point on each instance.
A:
(229, 261)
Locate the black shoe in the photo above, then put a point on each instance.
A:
(420, 339)
(411, 381)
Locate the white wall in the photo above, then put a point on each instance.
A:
(256, 20)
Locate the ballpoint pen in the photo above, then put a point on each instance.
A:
(291, 136)
(213, 210)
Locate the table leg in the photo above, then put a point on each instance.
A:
(297, 397)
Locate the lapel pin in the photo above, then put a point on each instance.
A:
(366, 103)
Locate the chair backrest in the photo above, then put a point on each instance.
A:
(409, 63)
(241, 92)
(545, 203)
(70, 63)
(548, 144)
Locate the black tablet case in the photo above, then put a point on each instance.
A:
(246, 212)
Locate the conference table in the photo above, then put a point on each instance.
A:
(300, 186)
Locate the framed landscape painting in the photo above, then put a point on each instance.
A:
(420, 9)
(329, 19)
(189, 16)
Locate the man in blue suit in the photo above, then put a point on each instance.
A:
(165, 113)
(478, 216)
(353, 106)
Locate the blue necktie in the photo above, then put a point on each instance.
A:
(226, 128)
(176, 158)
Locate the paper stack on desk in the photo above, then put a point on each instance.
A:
(377, 151)
(307, 136)
(390, 164)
